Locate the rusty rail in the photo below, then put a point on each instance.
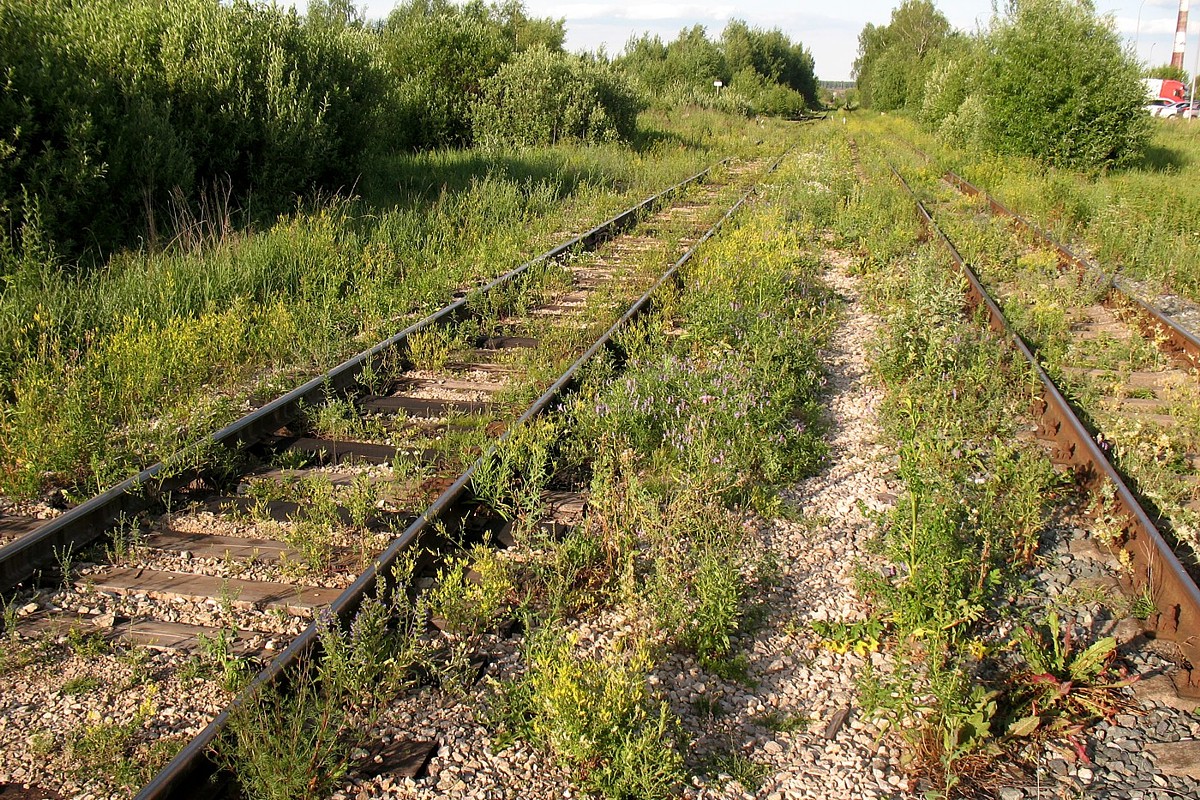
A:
(1179, 344)
(22, 558)
(1153, 564)
(186, 775)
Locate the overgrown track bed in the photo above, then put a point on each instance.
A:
(1140, 411)
(1173, 330)
(175, 594)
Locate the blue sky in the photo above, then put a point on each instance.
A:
(829, 29)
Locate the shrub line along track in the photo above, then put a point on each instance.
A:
(1153, 563)
(184, 775)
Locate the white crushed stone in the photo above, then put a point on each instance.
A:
(794, 674)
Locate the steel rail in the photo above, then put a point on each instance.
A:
(1179, 343)
(1153, 563)
(192, 766)
(23, 557)
(1182, 345)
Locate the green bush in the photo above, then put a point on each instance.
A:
(763, 97)
(440, 55)
(108, 108)
(1077, 106)
(894, 60)
(950, 82)
(775, 75)
(542, 98)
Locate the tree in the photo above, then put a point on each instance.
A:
(772, 55)
(334, 14)
(542, 97)
(1077, 106)
(441, 55)
(526, 32)
(894, 60)
(773, 75)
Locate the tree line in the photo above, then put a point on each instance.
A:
(1048, 79)
(115, 114)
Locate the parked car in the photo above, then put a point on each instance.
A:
(1156, 105)
(1174, 109)
(1192, 111)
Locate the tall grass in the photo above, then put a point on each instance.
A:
(1140, 220)
(103, 372)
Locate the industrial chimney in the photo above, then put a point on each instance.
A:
(1180, 36)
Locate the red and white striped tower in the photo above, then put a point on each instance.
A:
(1180, 36)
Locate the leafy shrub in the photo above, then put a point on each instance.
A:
(949, 84)
(1077, 106)
(107, 107)
(542, 97)
(767, 73)
(440, 55)
(764, 97)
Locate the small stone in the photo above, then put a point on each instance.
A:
(26, 610)
(1011, 793)
(774, 748)
(836, 722)
(105, 621)
(1128, 630)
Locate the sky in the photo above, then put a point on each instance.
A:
(829, 29)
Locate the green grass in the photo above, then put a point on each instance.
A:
(1043, 304)
(1140, 220)
(675, 450)
(959, 541)
(103, 372)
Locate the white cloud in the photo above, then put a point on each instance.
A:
(828, 29)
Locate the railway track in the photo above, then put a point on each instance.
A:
(300, 510)
(1112, 371)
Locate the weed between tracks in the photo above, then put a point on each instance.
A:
(299, 742)
(676, 452)
(1105, 374)
(983, 675)
(694, 435)
(107, 371)
(1139, 220)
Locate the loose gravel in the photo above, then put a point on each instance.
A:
(793, 729)
(839, 753)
